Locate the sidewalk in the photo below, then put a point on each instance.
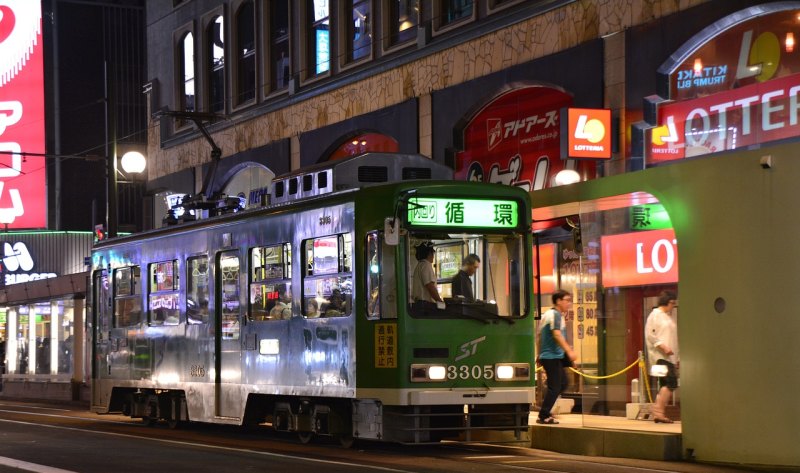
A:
(608, 436)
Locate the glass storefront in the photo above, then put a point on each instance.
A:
(41, 338)
(614, 256)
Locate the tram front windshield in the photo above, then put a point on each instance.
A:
(498, 285)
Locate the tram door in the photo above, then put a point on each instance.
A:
(101, 321)
(228, 328)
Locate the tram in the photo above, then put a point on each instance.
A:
(297, 314)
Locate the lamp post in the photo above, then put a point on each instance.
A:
(133, 162)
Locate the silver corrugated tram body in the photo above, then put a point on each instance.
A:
(215, 320)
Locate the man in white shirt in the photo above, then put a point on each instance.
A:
(661, 337)
(423, 284)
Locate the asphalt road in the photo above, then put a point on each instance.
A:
(50, 438)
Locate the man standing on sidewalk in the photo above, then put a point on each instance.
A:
(554, 353)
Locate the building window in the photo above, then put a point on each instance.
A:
(216, 65)
(246, 53)
(186, 64)
(319, 38)
(278, 44)
(452, 11)
(358, 29)
(403, 20)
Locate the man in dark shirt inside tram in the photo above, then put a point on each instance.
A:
(462, 282)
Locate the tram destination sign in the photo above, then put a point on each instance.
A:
(457, 212)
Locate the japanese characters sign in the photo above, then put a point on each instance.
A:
(386, 345)
(457, 212)
(515, 140)
(23, 196)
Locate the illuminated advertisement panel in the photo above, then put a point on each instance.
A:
(588, 134)
(638, 259)
(23, 195)
(515, 140)
(736, 89)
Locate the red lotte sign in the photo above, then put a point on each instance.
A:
(515, 139)
(641, 258)
(23, 196)
(757, 113)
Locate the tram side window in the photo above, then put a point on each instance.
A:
(373, 275)
(328, 281)
(197, 290)
(164, 308)
(127, 301)
(270, 283)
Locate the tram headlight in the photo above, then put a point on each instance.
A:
(421, 373)
(437, 372)
(512, 371)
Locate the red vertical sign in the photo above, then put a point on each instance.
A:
(23, 194)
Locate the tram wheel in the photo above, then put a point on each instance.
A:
(346, 440)
(305, 437)
(174, 424)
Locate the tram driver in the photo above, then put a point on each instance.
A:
(423, 286)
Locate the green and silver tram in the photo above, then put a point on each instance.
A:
(299, 314)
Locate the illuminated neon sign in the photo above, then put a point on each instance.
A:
(457, 212)
(23, 196)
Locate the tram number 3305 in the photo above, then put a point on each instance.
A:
(473, 372)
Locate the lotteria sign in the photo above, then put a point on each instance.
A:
(457, 212)
(749, 115)
(588, 134)
(23, 196)
(641, 258)
(736, 89)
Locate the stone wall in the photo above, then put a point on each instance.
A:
(533, 38)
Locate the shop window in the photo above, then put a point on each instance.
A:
(357, 17)
(163, 303)
(215, 49)
(229, 291)
(186, 65)
(270, 285)
(402, 21)
(328, 280)
(499, 4)
(197, 290)
(318, 39)
(127, 301)
(365, 143)
(278, 36)
(246, 53)
(448, 12)
(65, 329)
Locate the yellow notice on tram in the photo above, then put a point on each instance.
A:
(386, 345)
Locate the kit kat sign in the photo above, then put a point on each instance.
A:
(641, 258)
(23, 197)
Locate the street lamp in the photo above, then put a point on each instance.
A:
(133, 162)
